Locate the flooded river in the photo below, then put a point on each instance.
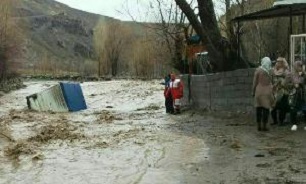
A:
(124, 136)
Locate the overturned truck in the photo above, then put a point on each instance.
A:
(63, 97)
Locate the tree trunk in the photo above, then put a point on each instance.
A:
(207, 29)
(99, 67)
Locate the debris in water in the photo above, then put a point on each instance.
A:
(259, 155)
(122, 135)
(236, 124)
(236, 145)
(149, 108)
(4, 130)
(20, 148)
(37, 157)
(108, 117)
(57, 131)
(293, 169)
(264, 165)
(102, 145)
(139, 142)
(6, 136)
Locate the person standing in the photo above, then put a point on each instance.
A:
(176, 88)
(262, 91)
(296, 81)
(168, 96)
(280, 91)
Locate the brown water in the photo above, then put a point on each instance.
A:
(123, 137)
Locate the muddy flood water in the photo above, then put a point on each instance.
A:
(126, 137)
(121, 138)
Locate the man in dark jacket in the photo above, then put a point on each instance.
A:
(168, 96)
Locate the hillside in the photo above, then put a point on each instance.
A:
(59, 40)
(56, 34)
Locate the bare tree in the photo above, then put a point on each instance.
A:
(253, 34)
(99, 45)
(141, 59)
(170, 27)
(206, 26)
(148, 56)
(10, 38)
(110, 40)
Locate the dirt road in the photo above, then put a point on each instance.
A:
(125, 137)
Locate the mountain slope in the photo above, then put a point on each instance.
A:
(56, 34)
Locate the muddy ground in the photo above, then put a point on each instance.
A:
(125, 136)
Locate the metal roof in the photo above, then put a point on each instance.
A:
(278, 10)
(286, 2)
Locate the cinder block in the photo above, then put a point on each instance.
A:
(196, 78)
(241, 73)
(241, 80)
(204, 103)
(217, 77)
(209, 78)
(219, 82)
(243, 87)
(220, 101)
(228, 74)
(243, 101)
(248, 80)
(230, 81)
(250, 109)
(251, 72)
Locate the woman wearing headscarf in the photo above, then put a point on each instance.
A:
(295, 82)
(280, 91)
(262, 91)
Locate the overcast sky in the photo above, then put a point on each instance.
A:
(111, 7)
(103, 7)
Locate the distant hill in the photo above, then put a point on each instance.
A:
(60, 40)
(55, 33)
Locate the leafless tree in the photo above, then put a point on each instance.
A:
(110, 40)
(5, 8)
(170, 25)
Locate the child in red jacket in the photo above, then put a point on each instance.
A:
(176, 88)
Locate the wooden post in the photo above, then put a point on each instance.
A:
(291, 21)
(289, 35)
(238, 41)
(303, 24)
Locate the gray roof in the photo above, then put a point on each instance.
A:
(286, 2)
(280, 10)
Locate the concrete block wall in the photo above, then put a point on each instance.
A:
(221, 91)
